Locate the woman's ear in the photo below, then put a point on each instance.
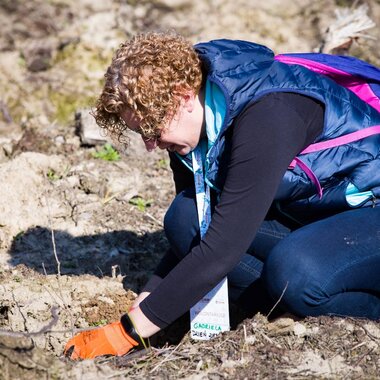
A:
(188, 99)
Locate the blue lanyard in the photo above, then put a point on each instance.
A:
(202, 191)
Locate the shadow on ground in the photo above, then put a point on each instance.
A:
(111, 253)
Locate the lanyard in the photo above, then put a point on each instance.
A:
(202, 192)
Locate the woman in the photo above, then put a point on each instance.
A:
(307, 234)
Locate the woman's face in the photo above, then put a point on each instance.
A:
(183, 131)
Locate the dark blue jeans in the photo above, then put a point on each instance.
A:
(329, 267)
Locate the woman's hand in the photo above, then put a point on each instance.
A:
(111, 339)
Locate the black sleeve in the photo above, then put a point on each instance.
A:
(266, 137)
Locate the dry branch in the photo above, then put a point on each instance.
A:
(278, 301)
(350, 25)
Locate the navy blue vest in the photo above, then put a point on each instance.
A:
(246, 71)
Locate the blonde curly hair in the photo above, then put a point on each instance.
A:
(147, 76)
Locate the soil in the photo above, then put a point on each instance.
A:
(80, 235)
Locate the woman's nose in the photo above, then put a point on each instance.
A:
(150, 144)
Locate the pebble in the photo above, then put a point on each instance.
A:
(299, 329)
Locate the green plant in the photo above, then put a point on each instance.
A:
(140, 202)
(21, 61)
(52, 175)
(107, 153)
(102, 322)
(162, 163)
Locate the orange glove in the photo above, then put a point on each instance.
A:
(111, 339)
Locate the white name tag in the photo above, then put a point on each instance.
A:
(210, 316)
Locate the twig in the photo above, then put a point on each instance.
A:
(357, 346)
(108, 198)
(165, 359)
(60, 295)
(220, 344)
(126, 359)
(266, 337)
(19, 310)
(154, 219)
(349, 25)
(44, 269)
(55, 252)
(114, 269)
(373, 337)
(53, 237)
(101, 272)
(278, 301)
(137, 354)
(363, 356)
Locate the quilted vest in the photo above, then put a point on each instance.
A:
(244, 72)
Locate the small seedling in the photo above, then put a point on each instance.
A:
(140, 203)
(107, 153)
(21, 61)
(108, 197)
(102, 322)
(52, 175)
(162, 163)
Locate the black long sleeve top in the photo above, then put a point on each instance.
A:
(266, 136)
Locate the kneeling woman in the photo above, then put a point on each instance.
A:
(286, 223)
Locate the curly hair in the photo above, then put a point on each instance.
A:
(147, 76)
